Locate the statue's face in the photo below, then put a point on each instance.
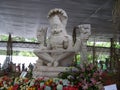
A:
(56, 24)
(85, 31)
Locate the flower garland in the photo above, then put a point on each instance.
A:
(85, 77)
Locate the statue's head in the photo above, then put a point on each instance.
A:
(85, 30)
(58, 19)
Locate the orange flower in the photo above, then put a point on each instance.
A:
(10, 88)
(29, 88)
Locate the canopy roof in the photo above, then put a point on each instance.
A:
(23, 17)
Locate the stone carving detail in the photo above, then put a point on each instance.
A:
(59, 49)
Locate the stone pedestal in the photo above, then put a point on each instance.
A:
(47, 71)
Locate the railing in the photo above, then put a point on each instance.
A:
(21, 46)
(30, 46)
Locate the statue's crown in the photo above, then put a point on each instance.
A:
(56, 11)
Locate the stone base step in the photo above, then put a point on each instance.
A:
(47, 71)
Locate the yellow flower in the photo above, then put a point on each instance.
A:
(50, 80)
(33, 88)
(47, 83)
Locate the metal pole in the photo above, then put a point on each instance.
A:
(111, 52)
(94, 52)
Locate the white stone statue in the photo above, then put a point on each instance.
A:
(60, 49)
(85, 32)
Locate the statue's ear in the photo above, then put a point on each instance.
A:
(74, 35)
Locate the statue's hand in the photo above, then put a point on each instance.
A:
(41, 35)
(56, 64)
